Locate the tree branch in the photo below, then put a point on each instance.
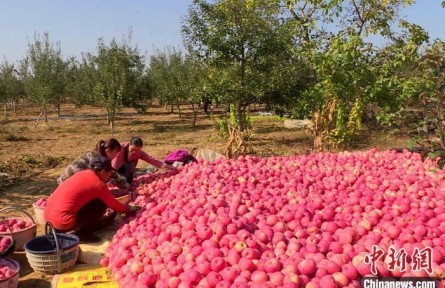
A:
(362, 21)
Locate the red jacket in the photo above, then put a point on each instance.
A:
(73, 193)
(120, 158)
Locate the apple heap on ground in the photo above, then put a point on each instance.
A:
(299, 221)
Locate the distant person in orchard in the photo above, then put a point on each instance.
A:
(109, 149)
(127, 159)
(79, 203)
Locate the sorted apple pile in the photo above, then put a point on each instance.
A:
(15, 224)
(5, 243)
(7, 270)
(301, 221)
(41, 202)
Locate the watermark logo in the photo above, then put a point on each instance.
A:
(398, 259)
(408, 282)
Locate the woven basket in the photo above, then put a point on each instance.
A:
(13, 280)
(52, 253)
(22, 236)
(39, 213)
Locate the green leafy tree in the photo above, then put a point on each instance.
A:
(178, 78)
(119, 79)
(167, 75)
(347, 71)
(45, 81)
(82, 78)
(10, 85)
(241, 42)
(431, 128)
(196, 84)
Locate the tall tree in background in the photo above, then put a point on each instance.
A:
(178, 78)
(164, 77)
(431, 128)
(45, 81)
(82, 77)
(348, 71)
(240, 40)
(120, 70)
(197, 81)
(10, 85)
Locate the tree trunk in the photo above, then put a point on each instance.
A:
(111, 126)
(239, 112)
(44, 111)
(58, 106)
(112, 118)
(206, 104)
(172, 110)
(239, 116)
(38, 119)
(4, 106)
(195, 113)
(179, 108)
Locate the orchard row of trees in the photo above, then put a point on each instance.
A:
(113, 77)
(328, 60)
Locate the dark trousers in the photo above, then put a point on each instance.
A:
(127, 170)
(88, 217)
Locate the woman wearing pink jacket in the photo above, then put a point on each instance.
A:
(127, 159)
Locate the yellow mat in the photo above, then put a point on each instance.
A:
(85, 275)
(90, 253)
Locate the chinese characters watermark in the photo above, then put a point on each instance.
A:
(398, 259)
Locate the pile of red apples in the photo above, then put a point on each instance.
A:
(299, 221)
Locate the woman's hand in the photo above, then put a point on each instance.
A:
(133, 208)
(170, 167)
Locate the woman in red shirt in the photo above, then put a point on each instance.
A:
(82, 199)
(127, 159)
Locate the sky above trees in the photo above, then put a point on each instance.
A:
(78, 25)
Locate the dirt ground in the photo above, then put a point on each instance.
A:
(31, 158)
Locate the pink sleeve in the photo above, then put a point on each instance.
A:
(119, 160)
(149, 159)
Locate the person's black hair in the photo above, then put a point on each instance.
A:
(136, 141)
(111, 144)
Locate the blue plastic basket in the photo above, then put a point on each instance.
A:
(52, 253)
